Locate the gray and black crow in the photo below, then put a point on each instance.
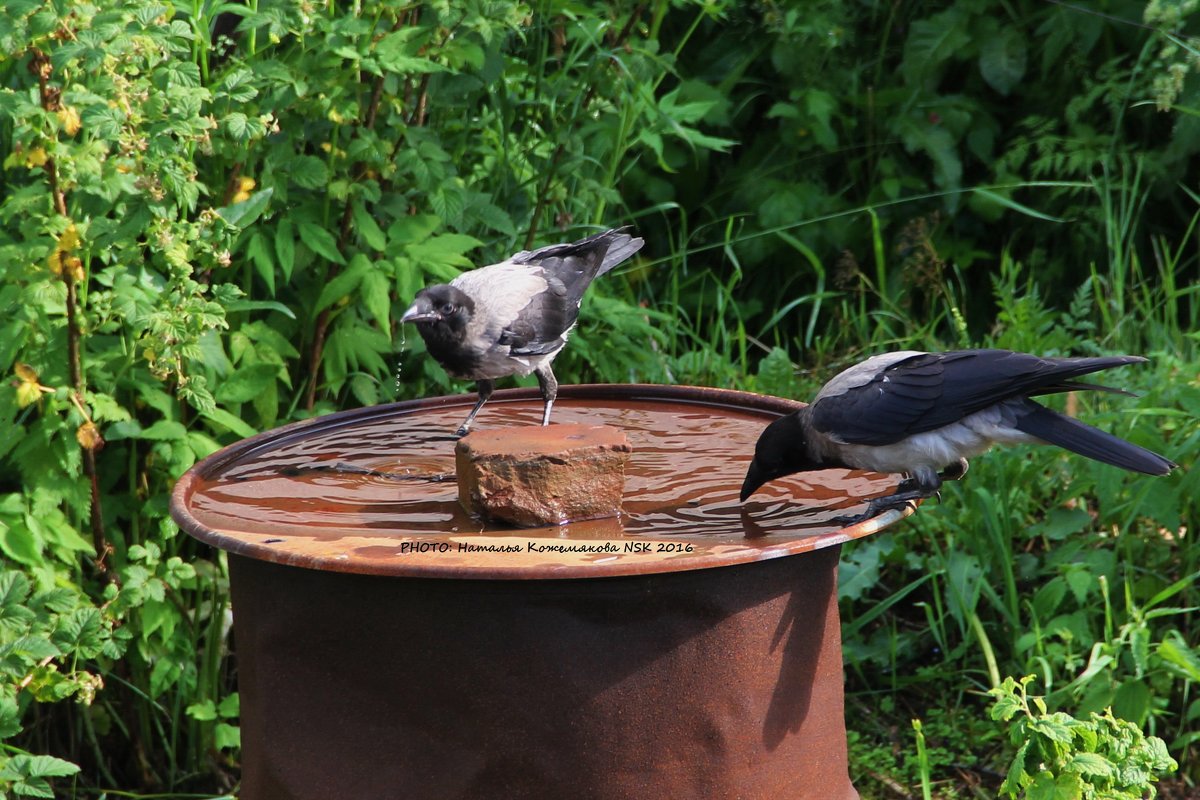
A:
(917, 413)
(513, 318)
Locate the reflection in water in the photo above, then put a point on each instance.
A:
(393, 475)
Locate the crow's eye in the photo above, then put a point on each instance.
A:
(447, 308)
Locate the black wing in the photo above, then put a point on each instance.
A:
(931, 390)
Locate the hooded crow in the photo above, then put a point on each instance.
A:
(513, 318)
(917, 413)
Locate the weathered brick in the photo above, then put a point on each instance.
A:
(535, 476)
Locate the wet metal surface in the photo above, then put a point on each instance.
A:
(372, 491)
(419, 654)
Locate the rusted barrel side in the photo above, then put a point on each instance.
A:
(707, 684)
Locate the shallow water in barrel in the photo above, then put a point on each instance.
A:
(393, 474)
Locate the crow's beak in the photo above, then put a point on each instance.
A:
(420, 311)
(755, 478)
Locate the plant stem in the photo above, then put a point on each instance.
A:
(41, 66)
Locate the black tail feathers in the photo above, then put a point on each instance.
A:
(1073, 435)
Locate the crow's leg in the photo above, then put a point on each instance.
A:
(925, 482)
(549, 386)
(955, 472)
(485, 389)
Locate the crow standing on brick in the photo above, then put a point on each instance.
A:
(917, 413)
(513, 318)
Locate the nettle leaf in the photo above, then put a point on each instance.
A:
(15, 617)
(164, 430)
(397, 52)
(320, 241)
(368, 227)
(246, 383)
(260, 305)
(933, 42)
(918, 133)
(344, 283)
(364, 388)
(441, 254)
(491, 216)
(18, 543)
(1002, 60)
(285, 248)
(375, 291)
(106, 408)
(1181, 658)
(259, 252)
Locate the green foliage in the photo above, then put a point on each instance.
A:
(1063, 758)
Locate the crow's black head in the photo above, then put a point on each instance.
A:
(441, 306)
(781, 450)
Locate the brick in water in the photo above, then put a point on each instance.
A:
(536, 476)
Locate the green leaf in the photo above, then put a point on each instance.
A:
(259, 252)
(10, 717)
(397, 53)
(368, 227)
(309, 172)
(364, 388)
(1182, 658)
(205, 711)
(439, 253)
(285, 248)
(1017, 775)
(933, 42)
(41, 766)
(244, 213)
(230, 706)
(227, 737)
(81, 632)
(18, 543)
(234, 424)
(777, 374)
(247, 382)
(344, 283)
(1091, 764)
(164, 430)
(1053, 728)
(260, 305)
(1048, 787)
(376, 294)
(1008, 202)
(320, 241)
(1002, 60)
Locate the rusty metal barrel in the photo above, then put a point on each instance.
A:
(391, 646)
